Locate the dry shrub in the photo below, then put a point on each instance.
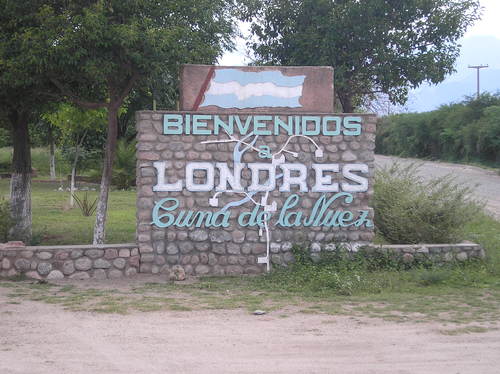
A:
(409, 209)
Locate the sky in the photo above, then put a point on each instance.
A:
(488, 25)
(480, 45)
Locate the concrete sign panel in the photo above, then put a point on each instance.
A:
(229, 191)
(229, 89)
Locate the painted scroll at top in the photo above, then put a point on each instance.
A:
(229, 89)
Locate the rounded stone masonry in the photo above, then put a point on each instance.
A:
(55, 274)
(44, 268)
(72, 262)
(437, 253)
(83, 263)
(232, 259)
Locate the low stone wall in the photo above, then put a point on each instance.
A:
(123, 260)
(438, 253)
(69, 261)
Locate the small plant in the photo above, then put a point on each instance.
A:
(86, 206)
(38, 236)
(124, 167)
(6, 221)
(433, 276)
(301, 255)
(123, 177)
(5, 166)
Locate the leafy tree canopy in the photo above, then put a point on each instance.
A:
(78, 127)
(97, 51)
(24, 89)
(374, 45)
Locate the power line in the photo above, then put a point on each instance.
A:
(478, 67)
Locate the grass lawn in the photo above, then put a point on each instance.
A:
(404, 299)
(55, 223)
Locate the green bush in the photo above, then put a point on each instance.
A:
(123, 177)
(410, 210)
(5, 137)
(465, 131)
(6, 221)
(124, 166)
(5, 159)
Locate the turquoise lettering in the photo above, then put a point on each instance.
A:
(317, 125)
(243, 129)
(200, 127)
(328, 132)
(297, 125)
(363, 219)
(157, 217)
(188, 124)
(172, 124)
(224, 215)
(285, 218)
(278, 123)
(352, 126)
(218, 123)
(259, 126)
(345, 218)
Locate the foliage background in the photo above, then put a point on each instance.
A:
(466, 131)
(375, 46)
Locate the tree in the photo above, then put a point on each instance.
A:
(44, 134)
(24, 94)
(74, 125)
(97, 52)
(375, 46)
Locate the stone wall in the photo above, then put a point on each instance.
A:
(122, 260)
(235, 249)
(69, 261)
(437, 253)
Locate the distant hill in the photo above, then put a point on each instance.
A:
(475, 50)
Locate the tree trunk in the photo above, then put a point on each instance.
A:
(73, 170)
(52, 155)
(346, 102)
(72, 183)
(72, 187)
(20, 183)
(102, 204)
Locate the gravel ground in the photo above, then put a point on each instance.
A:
(41, 338)
(485, 182)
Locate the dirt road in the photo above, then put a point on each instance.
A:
(41, 338)
(485, 182)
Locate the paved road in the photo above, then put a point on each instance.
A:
(486, 183)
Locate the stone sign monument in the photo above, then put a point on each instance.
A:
(254, 162)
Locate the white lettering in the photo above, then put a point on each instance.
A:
(209, 177)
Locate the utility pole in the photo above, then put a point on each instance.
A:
(478, 67)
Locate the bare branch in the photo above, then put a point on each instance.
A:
(82, 103)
